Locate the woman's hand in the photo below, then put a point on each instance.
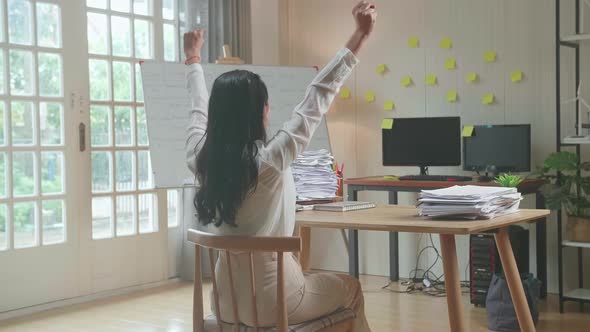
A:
(365, 15)
(193, 42)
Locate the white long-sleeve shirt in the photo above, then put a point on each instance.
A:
(270, 209)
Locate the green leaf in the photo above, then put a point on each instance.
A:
(562, 162)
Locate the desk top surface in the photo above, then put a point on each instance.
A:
(528, 185)
(396, 218)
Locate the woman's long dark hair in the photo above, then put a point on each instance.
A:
(226, 166)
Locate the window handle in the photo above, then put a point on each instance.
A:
(82, 136)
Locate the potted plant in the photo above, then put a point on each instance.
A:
(570, 191)
(508, 180)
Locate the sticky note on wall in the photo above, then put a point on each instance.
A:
(488, 99)
(446, 43)
(452, 96)
(345, 93)
(450, 64)
(381, 69)
(471, 78)
(490, 56)
(387, 124)
(431, 79)
(388, 105)
(406, 81)
(516, 76)
(467, 131)
(413, 42)
(370, 96)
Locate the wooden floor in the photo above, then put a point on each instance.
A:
(169, 309)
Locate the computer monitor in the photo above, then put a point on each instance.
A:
(423, 142)
(498, 148)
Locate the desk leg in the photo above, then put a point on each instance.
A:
(305, 234)
(514, 282)
(353, 241)
(393, 245)
(541, 227)
(452, 282)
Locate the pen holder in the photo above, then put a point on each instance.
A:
(340, 189)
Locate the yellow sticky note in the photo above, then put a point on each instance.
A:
(381, 68)
(387, 124)
(452, 96)
(467, 131)
(487, 99)
(446, 43)
(345, 93)
(390, 177)
(516, 76)
(450, 64)
(490, 56)
(471, 77)
(388, 105)
(413, 42)
(370, 96)
(431, 79)
(406, 81)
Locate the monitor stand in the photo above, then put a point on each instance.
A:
(423, 170)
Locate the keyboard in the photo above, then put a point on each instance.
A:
(447, 178)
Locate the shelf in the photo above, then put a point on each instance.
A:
(576, 38)
(578, 294)
(567, 243)
(575, 143)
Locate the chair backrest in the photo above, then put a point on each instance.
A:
(249, 244)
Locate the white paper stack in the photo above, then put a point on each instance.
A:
(314, 177)
(470, 202)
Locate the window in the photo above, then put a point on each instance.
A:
(32, 142)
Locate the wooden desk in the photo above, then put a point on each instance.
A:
(391, 218)
(393, 187)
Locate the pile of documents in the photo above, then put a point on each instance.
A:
(314, 177)
(469, 202)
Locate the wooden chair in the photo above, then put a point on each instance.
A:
(341, 321)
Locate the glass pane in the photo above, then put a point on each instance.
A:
(148, 217)
(100, 125)
(138, 84)
(21, 73)
(169, 42)
(23, 124)
(51, 123)
(2, 125)
(100, 88)
(52, 172)
(173, 214)
(20, 24)
(125, 215)
(23, 174)
(3, 228)
(123, 126)
(121, 5)
(142, 7)
(97, 34)
(2, 174)
(2, 23)
(142, 133)
(102, 170)
(125, 170)
(122, 85)
(121, 36)
(2, 85)
(97, 3)
(144, 170)
(102, 217)
(52, 214)
(50, 74)
(168, 9)
(143, 39)
(24, 215)
(48, 25)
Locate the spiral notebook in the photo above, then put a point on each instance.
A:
(344, 206)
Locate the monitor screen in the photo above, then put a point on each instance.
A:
(498, 148)
(423, 142)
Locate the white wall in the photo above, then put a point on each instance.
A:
(521, 32)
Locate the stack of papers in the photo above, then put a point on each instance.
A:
(314, 177)
(470, 202)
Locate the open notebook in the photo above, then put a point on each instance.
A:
(344, 206)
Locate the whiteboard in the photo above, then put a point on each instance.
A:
(167, 106)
